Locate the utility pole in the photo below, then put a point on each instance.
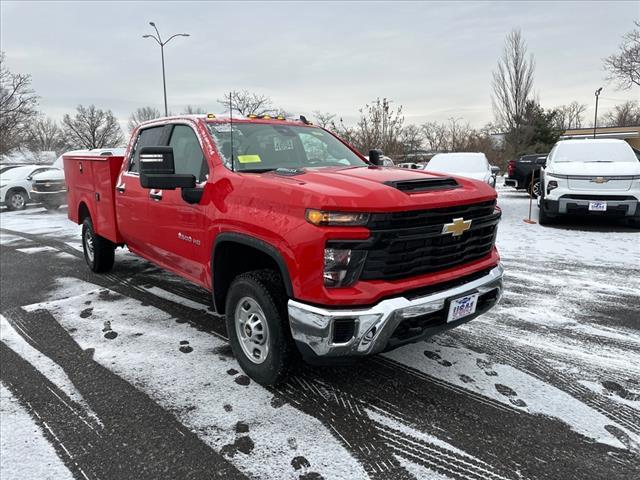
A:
(158, 39)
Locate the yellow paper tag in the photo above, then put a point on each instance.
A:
(249, 158)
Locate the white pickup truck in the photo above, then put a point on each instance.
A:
(590, 177)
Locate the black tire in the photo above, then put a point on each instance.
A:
(265, 288)
(543, 217)
(100, 253)
(51, 206)
(16, 199)
(534, 189)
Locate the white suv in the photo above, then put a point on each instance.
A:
(590, 177)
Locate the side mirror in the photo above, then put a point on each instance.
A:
(375, 157)
(157, 170)
(495, 170)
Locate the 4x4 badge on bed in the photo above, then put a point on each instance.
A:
(457, 227)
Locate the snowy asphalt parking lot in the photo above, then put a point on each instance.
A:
(129, 375)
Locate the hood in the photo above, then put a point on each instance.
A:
(376, 189)
(594, 168)
(49, 175)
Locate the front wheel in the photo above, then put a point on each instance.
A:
(99, 253)
(256, 319)
(17, 200)
(543, 217)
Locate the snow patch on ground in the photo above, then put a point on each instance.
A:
(146, 352)
(42, 363)
(26, 453)
(538, 397)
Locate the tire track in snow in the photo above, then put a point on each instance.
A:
(143, 442)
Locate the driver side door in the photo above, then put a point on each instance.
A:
(178, 227)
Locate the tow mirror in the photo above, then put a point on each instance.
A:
(375, 157)
(157, 170)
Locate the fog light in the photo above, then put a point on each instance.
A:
(342, 266)
(551, 185)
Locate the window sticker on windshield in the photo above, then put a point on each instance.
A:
(280, 144)
(249, 158)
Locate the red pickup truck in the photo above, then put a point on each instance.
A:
(307, 247)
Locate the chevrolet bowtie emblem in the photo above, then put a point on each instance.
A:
(457, 227)
(599, 180)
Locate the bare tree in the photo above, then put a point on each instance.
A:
(626, 114)
(18, 104)
(247, 103)
(411, 139)
(379, 127)
(91, 127)
(45, 135)
(191, 110)
(624, 67)
(435, 136)
(512, 84)
(570, 116)
(142, 114)
(324, 119)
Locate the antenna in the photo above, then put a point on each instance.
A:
(231, 128)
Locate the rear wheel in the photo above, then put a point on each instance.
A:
(17, 200)
(257, 326)
(99, 253)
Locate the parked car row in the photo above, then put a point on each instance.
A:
(45, 184)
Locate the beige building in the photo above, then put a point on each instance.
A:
(630, 134)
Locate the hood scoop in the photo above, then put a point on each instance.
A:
(423, 184)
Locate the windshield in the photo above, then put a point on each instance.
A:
(262, 147)
(449, 163)
(585, 151)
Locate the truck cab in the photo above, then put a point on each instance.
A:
(307, 248)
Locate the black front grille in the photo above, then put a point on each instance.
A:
(612, 198)
(48, 186)
(405, 244)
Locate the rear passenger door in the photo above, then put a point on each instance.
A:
(131, 199)
(178, 227)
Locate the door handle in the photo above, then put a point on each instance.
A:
(155, 195)
(120, 188)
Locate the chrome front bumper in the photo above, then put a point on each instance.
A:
(313, 327)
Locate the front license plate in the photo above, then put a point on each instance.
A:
(597, 206)
(462, 307)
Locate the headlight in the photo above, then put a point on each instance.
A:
(342, 266)
(318, 217)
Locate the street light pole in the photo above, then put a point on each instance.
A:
(158, 39)
(595, 119)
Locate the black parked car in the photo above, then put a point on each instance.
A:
(524, 173)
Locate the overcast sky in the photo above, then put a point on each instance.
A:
(435, 59)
